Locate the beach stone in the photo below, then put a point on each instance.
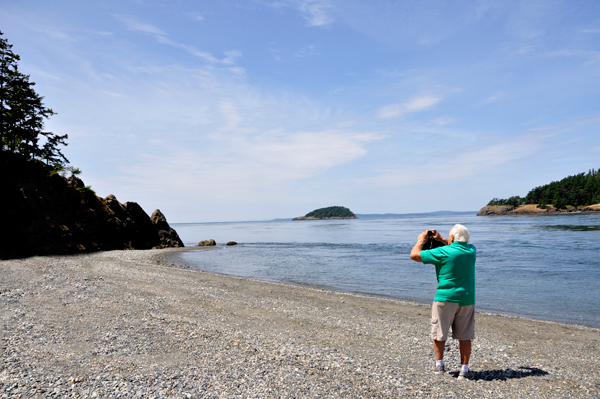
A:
(203, 335)
(230, 243)
(207, 243)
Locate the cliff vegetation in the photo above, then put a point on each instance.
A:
(581, 190)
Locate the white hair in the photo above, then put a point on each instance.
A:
(460, 233)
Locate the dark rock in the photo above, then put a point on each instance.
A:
(495, 210)
(159, 219)
(230, 243)
(114, 205)
(167, 235)
(207, 243)
(533, 210)
(47, 214)
(140, 230)
(75, 182)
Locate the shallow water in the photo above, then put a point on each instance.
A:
(544, 267)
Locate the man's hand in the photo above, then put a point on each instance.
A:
(438, 237)
(415, 254)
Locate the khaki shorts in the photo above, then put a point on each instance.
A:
(448, 314)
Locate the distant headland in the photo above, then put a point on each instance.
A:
(533, 209)
(329, 213)
(578, 193)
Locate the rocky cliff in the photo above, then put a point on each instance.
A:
(532, 209)
(45, 214)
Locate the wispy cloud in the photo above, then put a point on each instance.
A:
(590, 57)
(316, 12)
(276, 54)
(281, 155)
(495, 97)
(246, 162)
(306, 51)
(444, 121)
(135, 25)
(55, 33)
(453, 165)
(415, 104)
(204, 133)
(196, 16)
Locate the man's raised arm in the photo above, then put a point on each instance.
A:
(415, 254)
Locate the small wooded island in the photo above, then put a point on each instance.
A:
(329, 213)
(578, 193)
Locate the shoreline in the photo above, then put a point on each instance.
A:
(533, 210)
(127, 323)
(175, 260)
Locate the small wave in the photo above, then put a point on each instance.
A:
(567, 227)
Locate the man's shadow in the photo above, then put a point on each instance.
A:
(506, 374)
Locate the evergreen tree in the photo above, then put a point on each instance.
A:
(582, 189)
(332, 211)
(22, 114)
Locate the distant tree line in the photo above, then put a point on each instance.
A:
(330, 212)
(22, 115)
(579, 190)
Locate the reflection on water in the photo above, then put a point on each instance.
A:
(545, 267)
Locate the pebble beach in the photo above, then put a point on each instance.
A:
(140, 324)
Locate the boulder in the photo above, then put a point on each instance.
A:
(592, 208)
(168, 237)
(207, 243)
(230, 243)
(159, 219)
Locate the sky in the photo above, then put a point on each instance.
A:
(261, 109)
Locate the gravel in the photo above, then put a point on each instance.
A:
(139, 324)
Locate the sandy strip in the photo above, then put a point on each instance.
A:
(130, 324)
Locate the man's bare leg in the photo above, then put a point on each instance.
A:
(438, 349)
(465, 352)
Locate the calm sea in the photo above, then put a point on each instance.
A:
(544, 267)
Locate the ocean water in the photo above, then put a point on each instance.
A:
(545, 267)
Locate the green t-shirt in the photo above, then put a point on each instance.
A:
(455, 272)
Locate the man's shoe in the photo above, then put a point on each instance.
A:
(439, 369)
(465, 375)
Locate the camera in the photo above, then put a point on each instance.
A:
(431, 242)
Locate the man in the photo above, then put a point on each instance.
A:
(454, 302)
